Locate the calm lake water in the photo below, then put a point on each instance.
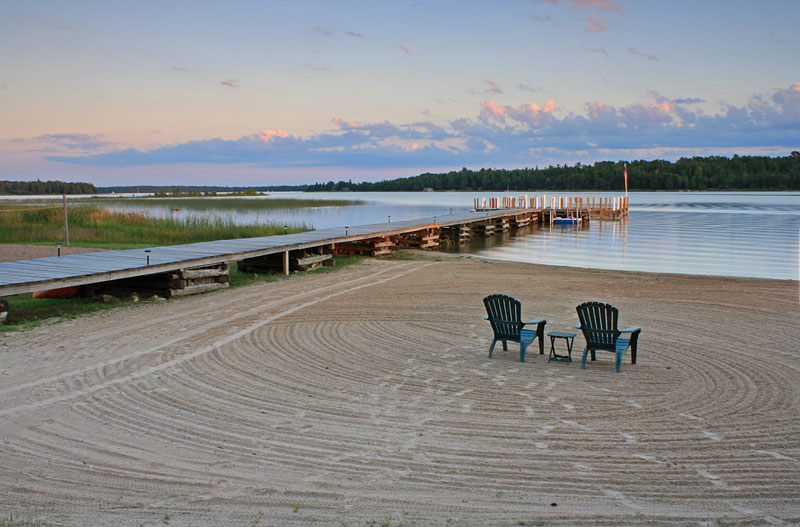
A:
(724, 233)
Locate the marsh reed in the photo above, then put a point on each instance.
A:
(93, 225)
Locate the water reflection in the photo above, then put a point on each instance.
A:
(692, 243)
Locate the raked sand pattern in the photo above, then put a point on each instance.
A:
(366, 397)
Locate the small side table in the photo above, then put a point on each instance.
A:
(569, 338)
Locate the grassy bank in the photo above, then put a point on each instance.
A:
(232, 204)
(92, 225)
(27, 312)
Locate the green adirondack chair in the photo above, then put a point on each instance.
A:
(599, 327)
(505, 316)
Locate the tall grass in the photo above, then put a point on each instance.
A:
(234, 204)
(93, 225)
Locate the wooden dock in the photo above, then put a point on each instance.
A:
(165, 268)
(551, 207)
(184, 269)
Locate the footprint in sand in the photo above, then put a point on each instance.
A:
(582, 467)
(714, 479)
(629, 438)
(634, 404)
(542, 446)
(545, 429)
(621, 497)
(774, 454)
(711, 435)
(650, 458)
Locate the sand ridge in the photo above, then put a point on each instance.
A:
(367, 394)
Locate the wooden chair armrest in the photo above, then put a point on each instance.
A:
(537, 321)
(632, 329)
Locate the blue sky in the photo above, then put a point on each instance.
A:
(292, 92)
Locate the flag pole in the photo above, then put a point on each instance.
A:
(626, 180)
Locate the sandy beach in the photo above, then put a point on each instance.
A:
(366, 397)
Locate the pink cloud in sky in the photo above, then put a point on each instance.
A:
(594, 109)
(66, 142)
(403, 49)
(595, 25)
(493, 108)
(602, 51)
(232, 83)
(493, 88)
(601, 5)
(271, 135)
(530, 114)
(648, 56)
(341, 123)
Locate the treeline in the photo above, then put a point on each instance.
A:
(45, 187)
(196, 190)
(697, 173)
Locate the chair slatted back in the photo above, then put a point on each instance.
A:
(599, 324)
(505, 316)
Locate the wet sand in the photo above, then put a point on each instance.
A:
(366, 395)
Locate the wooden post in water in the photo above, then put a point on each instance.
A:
(66, 220)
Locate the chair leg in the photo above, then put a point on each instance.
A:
(505, 345)
(619, 361)
(583, 360)
(540, 336)
(491, 348)
(594, 355)
(522, 348)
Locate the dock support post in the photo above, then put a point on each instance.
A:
(66, 221)
(286, 263)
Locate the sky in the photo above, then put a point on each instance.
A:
(291, 92)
